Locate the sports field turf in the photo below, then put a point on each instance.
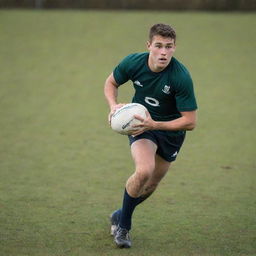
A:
(62, 170)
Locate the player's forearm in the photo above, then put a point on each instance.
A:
(111, 93)
(182, 123)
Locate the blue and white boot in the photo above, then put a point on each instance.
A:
(122, 238)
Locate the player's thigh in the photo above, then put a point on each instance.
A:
(143, 153)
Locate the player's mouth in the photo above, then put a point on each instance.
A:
(162, 60)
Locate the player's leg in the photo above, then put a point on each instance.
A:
(143, 153)
(161, 168)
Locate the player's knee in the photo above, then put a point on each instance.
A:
(142, 176)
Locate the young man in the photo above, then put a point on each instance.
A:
(163, 85)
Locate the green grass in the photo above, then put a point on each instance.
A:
(62, 170)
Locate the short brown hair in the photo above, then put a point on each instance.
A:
(162, 30)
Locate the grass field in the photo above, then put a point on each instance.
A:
(62, 170)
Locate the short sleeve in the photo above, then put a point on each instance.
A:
(121, 71)
(185, 96)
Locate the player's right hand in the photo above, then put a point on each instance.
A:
(113, 110)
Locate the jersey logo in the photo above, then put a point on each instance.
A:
(152, 101)
(138, 83)
(166, 89)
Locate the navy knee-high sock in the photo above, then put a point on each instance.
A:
(129, 204)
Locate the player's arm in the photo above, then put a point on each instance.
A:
(111, 93)
(111, 90)
(187, 122)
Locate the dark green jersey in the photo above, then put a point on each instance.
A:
(165, 94)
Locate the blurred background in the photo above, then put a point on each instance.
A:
(215, 5)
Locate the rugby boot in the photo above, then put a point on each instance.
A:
(122, 238)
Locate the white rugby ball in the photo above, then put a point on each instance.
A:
(123, 118)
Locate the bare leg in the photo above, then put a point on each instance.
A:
(161, 168)
(143, 153)
(149, 170)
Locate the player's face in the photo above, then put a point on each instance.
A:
(161, 50)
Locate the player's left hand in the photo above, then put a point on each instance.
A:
(146, 124)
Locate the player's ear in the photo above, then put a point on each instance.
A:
(148, 44)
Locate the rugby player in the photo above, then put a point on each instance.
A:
(164, 86)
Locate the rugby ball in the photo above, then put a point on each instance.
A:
(123, 118)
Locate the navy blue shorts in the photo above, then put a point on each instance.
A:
(168, 146)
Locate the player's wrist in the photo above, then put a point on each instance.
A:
(112, 105)
(155, 125)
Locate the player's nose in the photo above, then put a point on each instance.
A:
(163, 52)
